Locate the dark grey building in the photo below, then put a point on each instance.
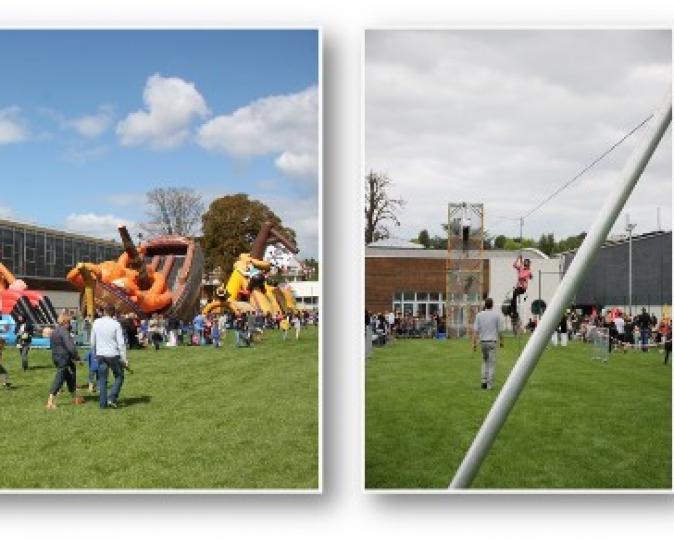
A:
(607, 281)
(42, 257)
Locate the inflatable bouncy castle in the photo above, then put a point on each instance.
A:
(250, 287)
(162, 275)
(19, 301)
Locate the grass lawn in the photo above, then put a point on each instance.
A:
(189, 417)
(578, 424)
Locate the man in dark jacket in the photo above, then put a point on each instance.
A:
(64, 354)
(644, 322)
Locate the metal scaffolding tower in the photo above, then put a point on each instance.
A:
(465, 269)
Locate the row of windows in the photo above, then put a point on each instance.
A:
(417, 297)
(34, 253)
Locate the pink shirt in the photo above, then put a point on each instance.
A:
(523, 275)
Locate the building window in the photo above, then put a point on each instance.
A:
(416, 305)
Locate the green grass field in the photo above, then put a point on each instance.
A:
(189, 417)
(578, 424)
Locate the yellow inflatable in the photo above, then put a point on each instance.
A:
(247, 288)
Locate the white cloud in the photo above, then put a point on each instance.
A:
(91, 126)
(13, 128)
(300, 166)
(286, 125)
(506, 117)
(172, 105)
(5, 211)
(80, 155)
(100, 226)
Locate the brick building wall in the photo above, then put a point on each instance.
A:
(385, 276)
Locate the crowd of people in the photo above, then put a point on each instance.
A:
(397, 325)
(642, 331)
(110, 336)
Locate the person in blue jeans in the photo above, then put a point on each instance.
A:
(107, 343)
(93, 371)
(215, 332)
(644, 322)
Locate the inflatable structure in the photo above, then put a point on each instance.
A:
(250, 286)
(17, 300)
(162, 275)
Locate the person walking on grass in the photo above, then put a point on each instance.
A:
(488, 328)
(154, 328)
(24, 333)
(64, 354)
(4, 375)
(107, 344)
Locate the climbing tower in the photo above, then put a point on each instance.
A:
(465, 269)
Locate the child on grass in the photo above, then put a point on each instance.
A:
(285, 326)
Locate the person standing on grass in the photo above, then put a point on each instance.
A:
(107, 343)
(619, 324)
(24, 333)
(64, 354)
(297, 323)
(644, 323)
(154, 328)
(668, 341)
(285, 326)
(215, 332)
(4, 375)
(488, 328)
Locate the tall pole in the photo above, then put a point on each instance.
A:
(629, 228)
(540, 297)
(527, 360)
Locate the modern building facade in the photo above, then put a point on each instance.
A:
(607, 282)
(43, 256)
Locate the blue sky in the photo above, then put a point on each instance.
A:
(91, 120)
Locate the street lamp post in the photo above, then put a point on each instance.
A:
(629, 227)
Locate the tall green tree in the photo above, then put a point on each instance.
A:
(229, 227)
(424, 239)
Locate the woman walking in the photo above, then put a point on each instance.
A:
(64, 354)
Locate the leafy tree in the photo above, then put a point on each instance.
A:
(424, 239)
(546, 243)
(380, 209)
(500, 242)
(229, 227)
(173, 210)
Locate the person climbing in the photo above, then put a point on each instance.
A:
(465, 226)
(523, 267)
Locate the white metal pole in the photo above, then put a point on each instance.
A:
(629, 264)
(534, 348)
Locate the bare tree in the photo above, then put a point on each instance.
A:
(173, 210)
(380, 209)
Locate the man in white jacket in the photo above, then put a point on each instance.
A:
(107, 344)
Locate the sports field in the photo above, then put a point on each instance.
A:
(578, 424)
(189, 417)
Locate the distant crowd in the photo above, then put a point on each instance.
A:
(206, 329)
